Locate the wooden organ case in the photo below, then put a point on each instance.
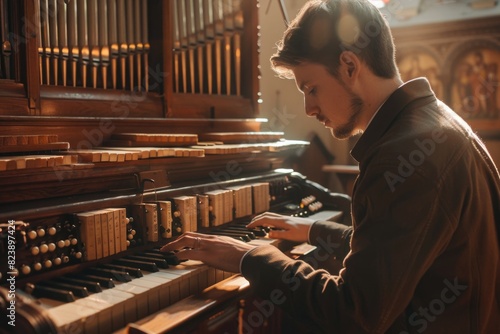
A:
(124, 123)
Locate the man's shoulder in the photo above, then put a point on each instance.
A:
(425, 140)
(428, 128)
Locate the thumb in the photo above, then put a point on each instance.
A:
(268, 221)
(279, 234)
(187, 254)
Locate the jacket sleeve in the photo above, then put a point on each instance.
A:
(331, 238)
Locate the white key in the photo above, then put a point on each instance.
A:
(153, 287)
(102, 315)
(141, 298)
(110, 308)
(70, 318)
(169, 291)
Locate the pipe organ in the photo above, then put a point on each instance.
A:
(105, 44)
(123, 124)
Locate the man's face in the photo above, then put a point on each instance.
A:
(329, 100)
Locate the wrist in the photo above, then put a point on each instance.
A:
(243, 257)
(309, 232)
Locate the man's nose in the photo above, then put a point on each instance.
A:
(310, 107)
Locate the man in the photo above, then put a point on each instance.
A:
(423, 249)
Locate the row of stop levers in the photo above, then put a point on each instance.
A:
(105, 44)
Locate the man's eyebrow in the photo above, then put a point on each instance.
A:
(302, 85)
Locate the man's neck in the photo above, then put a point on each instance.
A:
(377, 92)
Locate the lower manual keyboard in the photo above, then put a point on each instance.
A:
(103, 312)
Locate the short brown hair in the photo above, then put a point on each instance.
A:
(323, 29)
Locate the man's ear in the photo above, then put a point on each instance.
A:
(349, 63)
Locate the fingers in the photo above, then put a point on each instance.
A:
(196, 241)
(187, 240)
(280, 234)
(284, 227)
(188, 254)
(268, 219)
(268, 215)
(187, 247)
(220, 252)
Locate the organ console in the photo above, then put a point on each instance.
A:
(124, 123)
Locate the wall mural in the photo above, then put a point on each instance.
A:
(468, 82)
(421, 64)
(475, 93)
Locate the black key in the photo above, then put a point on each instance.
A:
(160, 263)
(235, 235)
(156, 254)
(242, 229)
(148, 266)
(91, 286)
(170, 257)
(156, 251)
(266, 229)
(258, 231)
(105, 282)
(52, 293)
(110, 273)
(78, 291)
(233, 229)
(135, 272)
(152, 255)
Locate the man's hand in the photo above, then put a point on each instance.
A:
(284, 227)
(220, 252)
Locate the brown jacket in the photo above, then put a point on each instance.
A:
(424, 245)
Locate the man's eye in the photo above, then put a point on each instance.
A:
(312, 91)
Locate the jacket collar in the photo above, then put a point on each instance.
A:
(397, 101)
